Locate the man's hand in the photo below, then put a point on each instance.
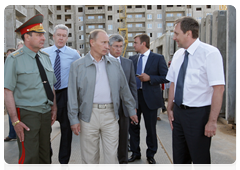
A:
(170, 117)
(76, 129)
(211, 126)
(170, 105)
(19, 129)
(54, 109)
(54, 116)
(134, 119)
(210, 129)
(144, 77)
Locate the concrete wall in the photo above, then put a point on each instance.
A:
(220, 31)
(230, 108)
(219, 40)
(209, 29)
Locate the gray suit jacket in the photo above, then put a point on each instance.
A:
(128, 69)
(81, 87)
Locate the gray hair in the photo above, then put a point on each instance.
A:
(115, 38)
(20, 43)
(61, 26)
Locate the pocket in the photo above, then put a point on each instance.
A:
(28, 78)
(192, 76)
(50, 75)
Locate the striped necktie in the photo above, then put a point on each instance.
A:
(57, 70)
(180, 81)
(139, 71)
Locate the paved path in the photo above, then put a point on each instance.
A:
(223, 149)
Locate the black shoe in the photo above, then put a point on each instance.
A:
(151, 160)
(164, 110)
(133, 158)
(65, 167)
(51, 153)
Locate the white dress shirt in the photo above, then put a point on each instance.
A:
(204, 70)
(102, 93)
(118, 58)
(144, 59)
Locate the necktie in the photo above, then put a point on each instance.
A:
(45, 82)
(57, 70)
(139, 71)
(180, 81)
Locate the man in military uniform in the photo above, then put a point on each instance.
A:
(29, 95)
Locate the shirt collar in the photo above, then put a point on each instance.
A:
(61, 49)
(93, 59)
(118, 58)
(146, 53)
(194, 46)
(30, 52)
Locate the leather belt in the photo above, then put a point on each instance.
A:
(103, 106)
(58, 91)
(186, 107)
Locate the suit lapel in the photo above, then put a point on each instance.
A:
(123, 63)
(149, 62)
(135, 61)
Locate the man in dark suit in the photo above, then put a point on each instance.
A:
(151, 70)
(116, 47)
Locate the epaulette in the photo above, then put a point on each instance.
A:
(44, 52)
(17, 53)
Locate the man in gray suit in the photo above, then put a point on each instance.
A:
(116, 48)
(95, 83)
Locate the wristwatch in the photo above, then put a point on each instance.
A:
(14, 123)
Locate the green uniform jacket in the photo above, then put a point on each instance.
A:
(22, 77)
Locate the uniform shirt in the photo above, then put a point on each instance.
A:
(204, 70)
(67, 56)
(22, 77)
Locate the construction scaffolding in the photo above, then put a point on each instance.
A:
(123, 30)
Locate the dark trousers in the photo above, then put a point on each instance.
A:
(66, 132)
(123, 137)
(36, 145)
(190, 145)
(12, 134)
(150, 119)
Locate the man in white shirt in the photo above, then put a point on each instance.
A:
(195, 102)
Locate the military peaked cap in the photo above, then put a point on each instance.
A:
(34, 24)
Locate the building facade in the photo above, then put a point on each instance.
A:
(16, 15)
(155, 20)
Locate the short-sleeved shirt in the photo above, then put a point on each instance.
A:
(204, 70)
(22, 77)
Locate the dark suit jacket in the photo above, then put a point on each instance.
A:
(128, 69)
(156, 68)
